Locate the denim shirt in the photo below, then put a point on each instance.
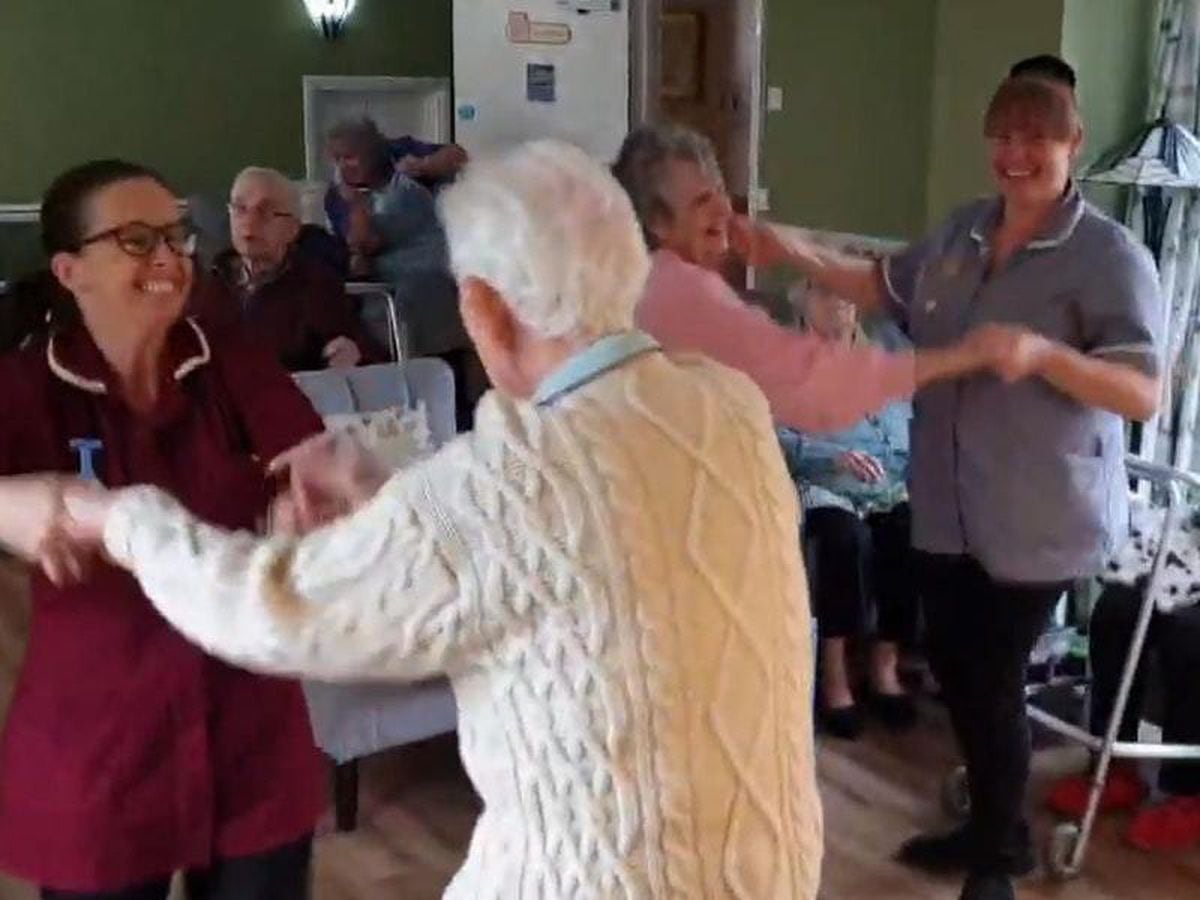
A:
(1020, 476)
(812, 458)
(404, 216)
(812, 462)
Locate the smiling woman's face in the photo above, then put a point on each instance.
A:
(110, 283)
(698, 227)
(1034, 136)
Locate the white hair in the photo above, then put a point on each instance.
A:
(554, 233)
(282, 188)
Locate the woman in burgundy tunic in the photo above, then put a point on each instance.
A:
(128, 753)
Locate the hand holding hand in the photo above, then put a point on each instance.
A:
(1011, 352)
(330, 475)
(40, 529)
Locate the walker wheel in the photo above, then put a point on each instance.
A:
(1060, 858)
(956, 793)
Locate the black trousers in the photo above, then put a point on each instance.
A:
(279, 874)
(862, 574)
(470, 384)
(1173, 642)
(979, 634)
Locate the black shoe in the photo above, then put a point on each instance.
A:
(952, 851)
(955, 851)
(987, 886)
(843, 722)
(898, 712)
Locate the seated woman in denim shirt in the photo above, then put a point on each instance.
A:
(857, 527)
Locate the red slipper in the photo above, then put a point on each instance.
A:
(1172, 825)
(1123, 791)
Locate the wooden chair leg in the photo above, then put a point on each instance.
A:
(345, 795)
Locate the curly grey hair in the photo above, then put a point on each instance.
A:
(365, 138)
(641, 164)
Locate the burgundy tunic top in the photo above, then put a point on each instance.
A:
(128, 752)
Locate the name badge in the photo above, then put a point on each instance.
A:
(947, 268)
(87, 449)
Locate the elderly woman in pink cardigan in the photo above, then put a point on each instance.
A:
(672, 177)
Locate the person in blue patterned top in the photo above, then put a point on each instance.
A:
(857, 529)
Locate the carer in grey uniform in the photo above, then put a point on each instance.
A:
(1018, 484)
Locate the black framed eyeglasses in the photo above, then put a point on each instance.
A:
(140, 239)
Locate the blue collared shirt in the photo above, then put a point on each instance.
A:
(404, 218)
(812, 461)
(1021, 477)
(812, 458)
(603, 355)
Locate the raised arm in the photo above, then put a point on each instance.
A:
(387, 592)
(812, 384)
(445, 162)
(855, 278)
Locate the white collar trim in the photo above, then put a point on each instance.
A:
(94, 386)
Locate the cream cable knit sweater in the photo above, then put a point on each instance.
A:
(614, 586)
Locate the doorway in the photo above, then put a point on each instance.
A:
(700, 63)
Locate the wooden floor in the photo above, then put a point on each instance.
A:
(418, 809)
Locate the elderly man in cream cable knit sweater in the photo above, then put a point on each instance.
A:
(607, 569)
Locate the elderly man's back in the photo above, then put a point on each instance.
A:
(638, 716)
(607, 568)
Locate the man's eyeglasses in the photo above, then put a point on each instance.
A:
(141, 240)
(242, 211)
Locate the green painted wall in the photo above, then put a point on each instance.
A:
(198, 88)
(879, 134)
(976, 42)
(883, 99)
(849, 151)
(1108, 42)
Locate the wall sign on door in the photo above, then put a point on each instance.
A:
(539, 83)
(522, 30)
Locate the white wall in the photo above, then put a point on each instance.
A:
(591, 105)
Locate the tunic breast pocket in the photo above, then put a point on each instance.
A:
(943, 293)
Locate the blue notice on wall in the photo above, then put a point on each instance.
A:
(539, 83)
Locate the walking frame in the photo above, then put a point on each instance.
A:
(1069, 841)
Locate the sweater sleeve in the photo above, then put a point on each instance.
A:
(388, 592)
(811, 384)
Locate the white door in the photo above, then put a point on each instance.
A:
(399, 106)
(542, 68)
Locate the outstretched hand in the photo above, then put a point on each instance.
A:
(329, 475)
(756, 243)
(39, 528)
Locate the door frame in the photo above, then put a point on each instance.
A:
(435, 91)
(645, 65)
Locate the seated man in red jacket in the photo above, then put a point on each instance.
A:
(295, 306)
